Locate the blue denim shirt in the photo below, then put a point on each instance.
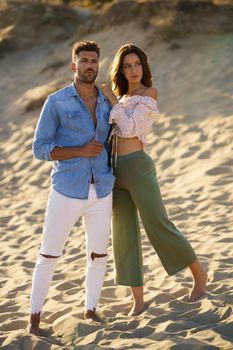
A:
(66, 121)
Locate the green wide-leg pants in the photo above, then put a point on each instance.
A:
(137, 189)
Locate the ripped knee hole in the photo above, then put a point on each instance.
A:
(95, 255)
(49, 256)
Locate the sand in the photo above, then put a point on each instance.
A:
(191, 143)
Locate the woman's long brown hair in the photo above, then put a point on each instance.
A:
(119, 82)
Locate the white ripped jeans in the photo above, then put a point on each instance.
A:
(61, 214)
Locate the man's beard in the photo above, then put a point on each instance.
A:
(85, 78)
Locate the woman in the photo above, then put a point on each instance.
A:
(136, 187)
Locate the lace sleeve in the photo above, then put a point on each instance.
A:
(144, 114)
(134, 115)
(120, 116)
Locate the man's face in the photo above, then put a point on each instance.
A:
(86, 66)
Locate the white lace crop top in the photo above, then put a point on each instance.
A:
(132, 116)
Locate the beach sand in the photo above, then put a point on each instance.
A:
(191, 143)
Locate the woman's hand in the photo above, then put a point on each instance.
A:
(107, 91)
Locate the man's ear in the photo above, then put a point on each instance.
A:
(73, 67)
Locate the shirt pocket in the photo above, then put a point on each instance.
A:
(72, 119)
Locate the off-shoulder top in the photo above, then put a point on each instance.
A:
(132, 116)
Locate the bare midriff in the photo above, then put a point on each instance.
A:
(127, 145)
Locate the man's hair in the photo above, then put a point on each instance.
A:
(84, 46)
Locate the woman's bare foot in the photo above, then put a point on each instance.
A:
(138, 306)
(200, 280)
(199, 286)
(137, 310)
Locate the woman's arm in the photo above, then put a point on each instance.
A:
(107, 91)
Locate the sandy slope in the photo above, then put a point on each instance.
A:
(191, 143)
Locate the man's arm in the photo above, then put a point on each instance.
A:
(44, 146)
(91, 149)
(43, 142)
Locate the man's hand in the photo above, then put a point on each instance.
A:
(91, 149)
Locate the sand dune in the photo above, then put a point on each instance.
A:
(191, 143)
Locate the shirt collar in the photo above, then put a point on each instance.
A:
(74, 92)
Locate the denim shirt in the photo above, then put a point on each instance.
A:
(66, 121)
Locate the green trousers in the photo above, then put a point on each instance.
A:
(136, 189)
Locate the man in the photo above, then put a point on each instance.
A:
(71, 131)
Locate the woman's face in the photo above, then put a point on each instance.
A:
(132, 68)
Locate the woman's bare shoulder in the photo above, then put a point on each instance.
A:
(151, 92)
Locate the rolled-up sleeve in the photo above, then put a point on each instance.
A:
(43, 142)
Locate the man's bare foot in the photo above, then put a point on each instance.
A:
(33, 325)
(90, 314)
(199, 286)
(137, 309)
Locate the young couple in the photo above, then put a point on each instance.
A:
(72, 131)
